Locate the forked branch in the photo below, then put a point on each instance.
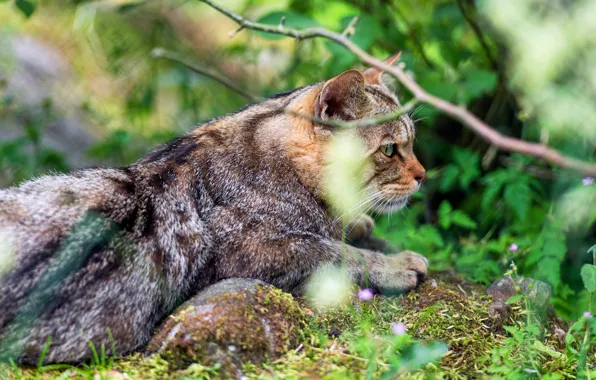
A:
(468, 119)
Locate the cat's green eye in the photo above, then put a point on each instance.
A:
(389, 150)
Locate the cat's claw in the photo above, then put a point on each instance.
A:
(406, 270)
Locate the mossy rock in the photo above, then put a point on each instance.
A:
(231, 322)
(273, 337)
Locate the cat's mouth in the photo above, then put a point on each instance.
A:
(388, 206)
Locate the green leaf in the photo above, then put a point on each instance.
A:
(293, 20)
(589, 277)
(461, 219)
(549, 271)
(494, 183)
(27, 7)
(423, 354)
(367, 30)
(431, 235)
(437, 85)
(518, 198)
(514, 299)
(479, 82)
(469, 162)
(444, 213)
(541, 347)
(449, 177)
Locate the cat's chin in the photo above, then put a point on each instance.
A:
(391, 205)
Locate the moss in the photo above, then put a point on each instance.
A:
(355, 340)
(233, 328)
(449, 310)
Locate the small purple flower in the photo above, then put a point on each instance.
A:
(398, 329)
(587, 314)
(513, 247)
(588, 181)
(365, 295)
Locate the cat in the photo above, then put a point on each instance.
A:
(102, 255)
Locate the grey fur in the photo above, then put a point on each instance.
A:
(113, 251)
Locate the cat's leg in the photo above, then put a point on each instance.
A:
(360, 228)
(288, 259)
(359, 234)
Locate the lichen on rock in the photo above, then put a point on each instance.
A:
(231, 322)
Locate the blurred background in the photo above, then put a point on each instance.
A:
(81, 85)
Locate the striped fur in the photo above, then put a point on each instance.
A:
(110, 252)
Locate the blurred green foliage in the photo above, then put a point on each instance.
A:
(478, 203)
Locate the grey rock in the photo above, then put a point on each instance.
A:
(537, 292)
(231, 322)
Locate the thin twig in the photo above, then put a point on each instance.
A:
(351, 28)
(206, 71)
(357, 123)
(495, 138)
(211, 73)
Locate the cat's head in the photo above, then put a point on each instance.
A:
(393, 172)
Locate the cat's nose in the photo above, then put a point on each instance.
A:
(419, 177)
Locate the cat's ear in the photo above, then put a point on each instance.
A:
(342, 97)
(373, 75)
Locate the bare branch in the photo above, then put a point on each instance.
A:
(351, 28)
(206, 71)
(358, 123)
(469, 120)
(211, 73)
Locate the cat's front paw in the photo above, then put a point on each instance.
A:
(360, 229)
(401, 273)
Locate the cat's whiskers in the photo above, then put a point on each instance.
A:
(368, 208)
(361, 203)
(416, 110)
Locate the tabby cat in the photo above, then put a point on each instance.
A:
(103, 255)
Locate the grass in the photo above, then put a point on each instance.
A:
(447, 319)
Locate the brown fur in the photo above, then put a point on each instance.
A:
(241, 196)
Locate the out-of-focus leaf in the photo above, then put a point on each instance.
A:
(589, 277)
(332, 12)
(367, 30)
(449, 177)
(27, 7)
(437, 85)
(423, 354)
(517, 196)
(514, 299)
(444, 213)
(469, 162)
(461, 219)
(479, 82)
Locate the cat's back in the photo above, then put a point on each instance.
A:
(43, 210)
